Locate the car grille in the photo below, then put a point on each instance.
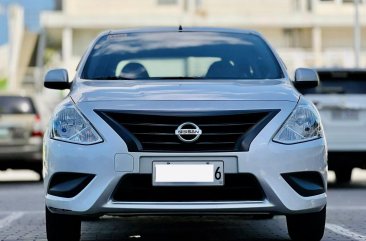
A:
(155, 132)
(138, 188)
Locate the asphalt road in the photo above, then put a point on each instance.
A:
(22, 218)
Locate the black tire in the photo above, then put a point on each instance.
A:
(343, 176)
(62, 227)
(306, 227)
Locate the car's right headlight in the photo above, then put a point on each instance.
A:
(303, 125)
(70, 126)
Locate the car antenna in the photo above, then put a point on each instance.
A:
(180, 29)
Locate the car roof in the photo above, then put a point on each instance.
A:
(183, 29)
(341, 70)
(341, 74)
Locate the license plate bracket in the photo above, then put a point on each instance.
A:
(179, 173)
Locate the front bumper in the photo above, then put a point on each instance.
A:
(109, 162)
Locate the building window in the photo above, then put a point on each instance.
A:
(351, 1)
(167, 2)
(297, 38)
(309, 5)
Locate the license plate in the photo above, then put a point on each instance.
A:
(4, 134)
(188, 173)
(345, 115)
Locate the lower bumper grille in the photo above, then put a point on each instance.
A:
(138, 188)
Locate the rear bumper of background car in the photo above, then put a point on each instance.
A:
(342, 159)
(22, 156)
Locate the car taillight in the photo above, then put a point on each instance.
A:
(37, 133)
(37, 127)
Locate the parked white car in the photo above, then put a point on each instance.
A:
(341, 101)
(184, 121)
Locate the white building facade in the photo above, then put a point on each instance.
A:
(306, 33)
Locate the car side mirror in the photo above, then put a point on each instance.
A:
(306, 78)
(57, 79)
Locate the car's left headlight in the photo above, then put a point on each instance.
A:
(303, 125)
(70, 126)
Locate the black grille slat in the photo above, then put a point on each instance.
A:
(172, 119)
(155, 131)
(211, 129)
(174, 125)
(186, 148)
(173, 138)
(227, 124)
(221, 134)
(151, 129)
(173, 134)
(139, 188)
(148, 124)
(178, 143)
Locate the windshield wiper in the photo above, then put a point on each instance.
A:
(151, 78)
(178, 77)
(110, 78)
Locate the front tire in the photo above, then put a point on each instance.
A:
(306, 227)
(62, 227)
(343, 175)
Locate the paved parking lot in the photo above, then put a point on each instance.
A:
(22, 218)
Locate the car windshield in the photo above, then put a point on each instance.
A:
(340, 82)
(181, 55)
(16, 105)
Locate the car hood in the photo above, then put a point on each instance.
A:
(250, 90)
